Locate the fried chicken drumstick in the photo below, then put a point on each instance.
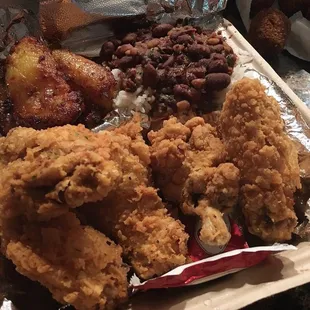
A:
(254, 136)
(189, 166)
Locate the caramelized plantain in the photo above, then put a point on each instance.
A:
(41, 97)
(96, 82)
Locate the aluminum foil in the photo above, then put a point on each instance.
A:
(118, 117)
(88, 21)
(15, 23)
(189, 8)
(113, 8)
(295, 125)
(299, 82)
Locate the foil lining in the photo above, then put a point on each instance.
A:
(300, 83)
(118, 117)
(295, 125)
(113, 8)
(16, 23)
(191, 8)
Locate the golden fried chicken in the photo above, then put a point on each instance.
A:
(189, 167)
(152, 240)
(53, 170)
(168, 149)
(40, 95)
(254, 136)
(79, 265)
(95, 81)
(47, 173)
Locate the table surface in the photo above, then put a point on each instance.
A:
(296, 73)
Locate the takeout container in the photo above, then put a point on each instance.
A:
(279, 272)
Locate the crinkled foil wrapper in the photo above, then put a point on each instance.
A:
(82, 25)
(17, 19)
(118, 117)
(62, 17)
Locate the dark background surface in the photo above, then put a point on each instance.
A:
(294, 71)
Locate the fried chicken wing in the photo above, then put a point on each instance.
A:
(189, 165)
(79, 265)
(47, 173)
(95, 81)
(41, 97)
(254, 136)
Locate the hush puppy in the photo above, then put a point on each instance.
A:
(269, 31)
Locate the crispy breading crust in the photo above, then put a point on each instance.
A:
(189, 165)
(47, 173)
(53, 170)
(254, 136)
(41, 97)
(152, 240)
(79, 265)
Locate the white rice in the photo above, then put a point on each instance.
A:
(116, 73)
(139, 101)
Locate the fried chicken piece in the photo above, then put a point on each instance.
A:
(41, 97)
(209, 193)
(168, 149)
(46, 173)
(254, 136)
(79, 265)
(189, 165)
(152, 240)
(95, 81)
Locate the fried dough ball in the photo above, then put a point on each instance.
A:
(269, 32)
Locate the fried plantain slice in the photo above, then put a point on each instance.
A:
(95, 81)
(41, 97)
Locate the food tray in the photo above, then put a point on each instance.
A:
(279, 272)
